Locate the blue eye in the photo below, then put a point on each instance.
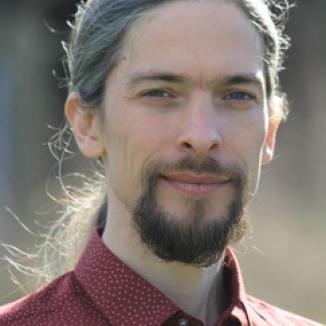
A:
(157, 93)
(239, 96)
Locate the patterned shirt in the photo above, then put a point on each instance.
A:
(102, 290)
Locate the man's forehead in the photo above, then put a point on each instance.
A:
(184, 20)
(193, 49)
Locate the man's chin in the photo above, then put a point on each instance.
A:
(194, 213)
(199, 241)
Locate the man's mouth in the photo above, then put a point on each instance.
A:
(196, 185)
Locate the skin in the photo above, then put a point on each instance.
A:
(203, 111)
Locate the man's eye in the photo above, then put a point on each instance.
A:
(239, 96)
(159, 93)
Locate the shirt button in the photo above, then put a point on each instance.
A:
(183, 322)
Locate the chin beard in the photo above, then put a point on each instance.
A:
(196, 242)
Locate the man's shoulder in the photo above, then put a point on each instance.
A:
(39, 305)
(273, 315)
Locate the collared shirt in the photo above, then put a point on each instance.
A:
(102, 290)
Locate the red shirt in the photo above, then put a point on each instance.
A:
(102, 290)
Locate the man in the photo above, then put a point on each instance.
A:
(180, 102)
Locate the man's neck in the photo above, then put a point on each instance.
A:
(197, 291)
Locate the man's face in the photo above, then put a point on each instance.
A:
(185, 116)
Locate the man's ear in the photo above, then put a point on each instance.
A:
(85, 126)
(276, 115)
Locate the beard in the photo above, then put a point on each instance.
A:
(195, 241)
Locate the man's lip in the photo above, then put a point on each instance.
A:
(196, 185)
(194, 178)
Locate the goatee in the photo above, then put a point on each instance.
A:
(196, 241)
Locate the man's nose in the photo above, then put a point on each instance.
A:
(199, 134)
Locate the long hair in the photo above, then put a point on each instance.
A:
(97, 37)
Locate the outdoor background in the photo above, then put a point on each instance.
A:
(283, 259)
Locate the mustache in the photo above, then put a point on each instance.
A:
(234, 172)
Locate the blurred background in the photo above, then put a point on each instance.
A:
(283, 258)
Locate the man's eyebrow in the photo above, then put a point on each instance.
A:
(227, 81)
(240, 80)
(157, 76)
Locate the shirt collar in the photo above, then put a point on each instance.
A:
(119, 292)
(234, 285)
